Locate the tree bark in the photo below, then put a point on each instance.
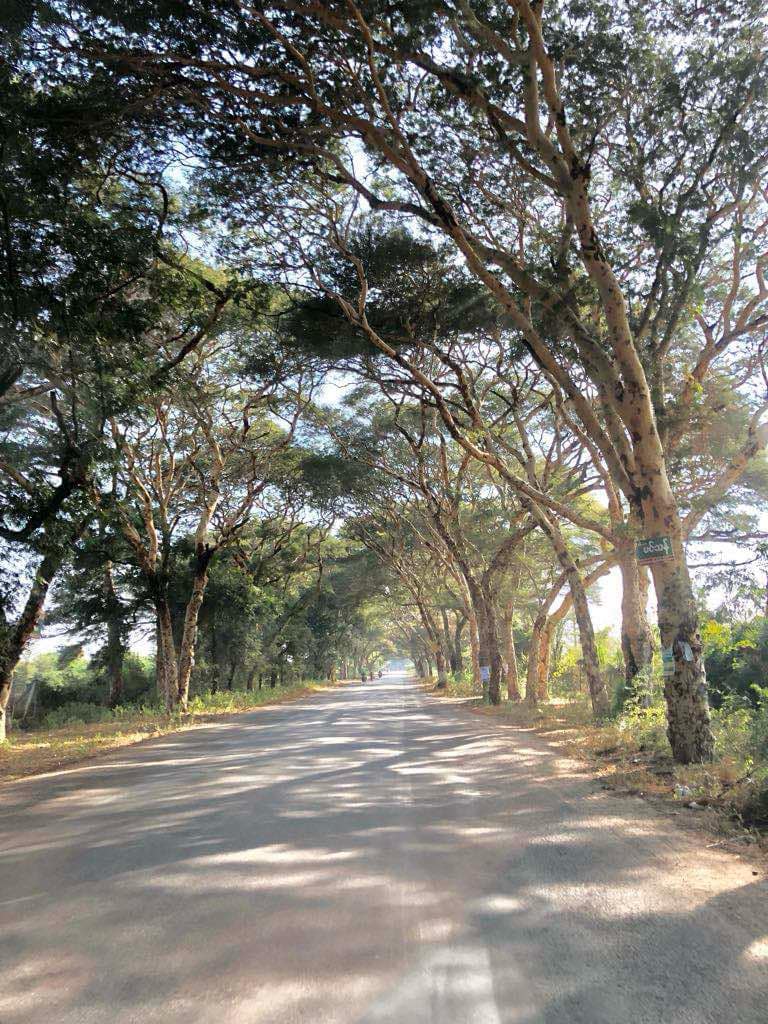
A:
(688, 720)
(513, 679)
(189, 632)
(457, 661)
(474, 646)
(115, 660)
(440, 663)
(115, 652)
(534, 660)
(636, 636)
(436, 643)
(597, 691)
(231, 678)
(447, 641)
(214, 660)
(544, 660)
(167, 654)
(493, 651)
(15, 637)
(489, 653)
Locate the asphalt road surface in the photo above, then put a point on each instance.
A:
(366, 855)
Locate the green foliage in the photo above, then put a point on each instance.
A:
(463, 685)
(759, 725)
(76, 713)
(567, 678)
(64, 683)
(736, 657)
(646, 725)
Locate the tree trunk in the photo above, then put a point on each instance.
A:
(115, 659)
(442, 675)
(544, 660)
(688, 721)
(6, 681)
(436, 644)
(189, 633)
(457, 660)
(512, 680)
(534, 660)
(636, 636)
(597, 691)
(159, 677)
(166, 654)
(490, 652)
(474, 646)
(449, 652)
(498, 668)
(214, 686)
(115, 652)
(16, 637)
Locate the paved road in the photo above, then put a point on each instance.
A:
(364, 856)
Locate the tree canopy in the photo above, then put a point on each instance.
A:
(529, 241)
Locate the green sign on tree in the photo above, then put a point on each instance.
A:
(653, 549)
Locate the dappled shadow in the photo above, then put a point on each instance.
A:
(363, 856)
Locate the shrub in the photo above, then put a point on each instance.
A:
(462, 685)
(736, 658)
(76, 713)
(732, 724)
(759, 731)
(646, 725)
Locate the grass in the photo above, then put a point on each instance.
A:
(69, 741)
(630, 754)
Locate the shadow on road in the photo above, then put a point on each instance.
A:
(364, 856)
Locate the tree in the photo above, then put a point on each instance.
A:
(85, 276)
(592, 170)
(99, 597)
(198, 463)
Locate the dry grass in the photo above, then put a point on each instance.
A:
(46, 750)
